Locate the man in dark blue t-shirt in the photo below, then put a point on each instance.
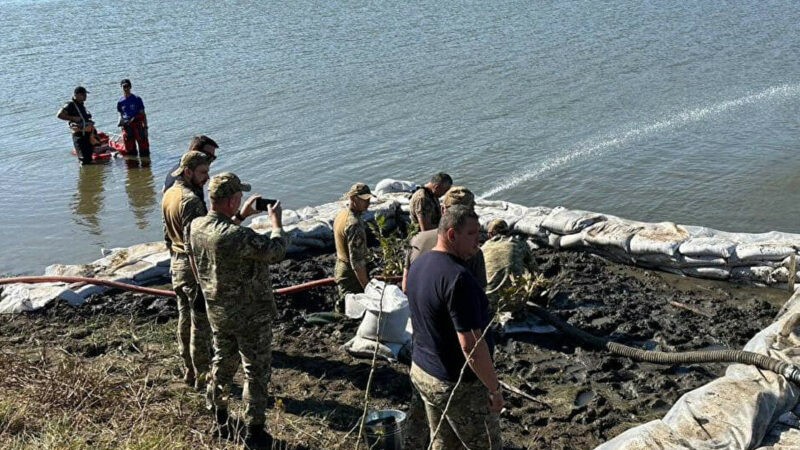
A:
(449, 313)
(133, 121)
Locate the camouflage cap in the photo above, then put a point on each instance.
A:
(458, 195)
(359, 190)
(497, 226)
(190, 160)
(226, 184)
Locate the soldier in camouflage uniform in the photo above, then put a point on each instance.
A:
(182, 203)
(424, 206)
(349, 234)
(233, 269)
(505, 255)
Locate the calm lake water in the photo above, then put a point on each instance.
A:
(681, 111)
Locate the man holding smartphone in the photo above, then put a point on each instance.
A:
(233, 270)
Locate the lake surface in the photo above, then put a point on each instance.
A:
(681, 111)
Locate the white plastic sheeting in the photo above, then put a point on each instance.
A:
(736, 411)
(138, 264)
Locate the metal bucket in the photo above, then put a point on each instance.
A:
(384, 429)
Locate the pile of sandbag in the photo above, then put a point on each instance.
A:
(389, 335)
(747, 408)
(139, 264)
(311, 228)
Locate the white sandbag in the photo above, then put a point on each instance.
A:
(142, 271)
(554, 241)
(708, 247)
(712, 273)
(753, 274)
(510, 212)
(160, 259)
(395, 313)
(402, 198)
(312, 229)
(390, 186)
(781, 275)
(611, 233)
(125, 256)
(567, 221)
(735, 411)
(702, 261)
(72, 270)
(353, 308)
(663, 238)
(21, 297)
(364, 348)
(531, 221)
(571, 241)
(757, 251)
(386, 208)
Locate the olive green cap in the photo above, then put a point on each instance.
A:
(458, 195)
(359, 190)
(226, 184)
(191, 160)
(497, 226)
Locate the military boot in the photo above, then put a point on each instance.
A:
(225, 427)
(257, 438)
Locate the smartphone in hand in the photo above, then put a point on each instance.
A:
(262, 203)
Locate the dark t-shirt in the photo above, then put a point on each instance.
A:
(74, 108)
(129, 106)
(444, 298)
(169, 180)
(426, 240)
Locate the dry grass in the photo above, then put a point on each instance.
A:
(126, 394)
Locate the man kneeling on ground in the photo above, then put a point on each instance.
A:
(449, 312)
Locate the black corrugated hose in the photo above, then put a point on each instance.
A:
(790, 371)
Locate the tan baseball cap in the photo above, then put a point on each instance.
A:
(458, 195)
(359, 190)
(226, 184)
(191, 160)
(497, 226)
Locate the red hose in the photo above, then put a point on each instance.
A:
(145, 290)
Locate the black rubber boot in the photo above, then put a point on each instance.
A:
(222, 427)
(257, 438)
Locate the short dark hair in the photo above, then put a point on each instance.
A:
(125, 81)
(456, 217)
(442, 178)
(199, 142)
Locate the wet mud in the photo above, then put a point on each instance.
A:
(584, 396)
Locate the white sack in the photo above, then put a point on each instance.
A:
(531, 221)
(612, 233)
(753, 274)
(567, 221)
(20, 297)
(72, 270)
(390, 186)
(769, 252)
(713, 273)
(708, 247)
(663, 238)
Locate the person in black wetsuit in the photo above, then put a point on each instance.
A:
(80, 124)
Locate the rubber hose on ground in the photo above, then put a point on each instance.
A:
(790, 371)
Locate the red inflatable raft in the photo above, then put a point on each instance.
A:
(109, 145)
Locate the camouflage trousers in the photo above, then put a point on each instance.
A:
(469, 423)
(194, 333)
(346, 283)
(246, 339)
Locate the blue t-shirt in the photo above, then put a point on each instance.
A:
(130, 106)
(444, 298)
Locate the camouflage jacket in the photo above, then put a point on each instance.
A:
(350, 236)
(506, 254)
(179, 206)
(424, 204)
(233, 263)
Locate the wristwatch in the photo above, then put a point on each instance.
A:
(238, 215)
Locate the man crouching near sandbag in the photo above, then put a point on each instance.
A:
(233, 270)
(449, 312)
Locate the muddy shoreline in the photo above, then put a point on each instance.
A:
(587, 396)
